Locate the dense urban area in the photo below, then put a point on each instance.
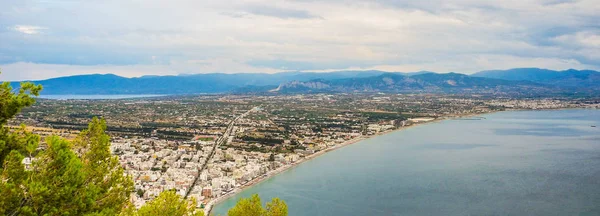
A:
(210, 146)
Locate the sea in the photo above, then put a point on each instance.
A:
(507, 163)
(95, 97)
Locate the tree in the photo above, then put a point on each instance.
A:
(104, 172)
(60, 182)
(11, 104)
(54, 185)
(252, 207)
(140, 192)
(277, 207)
(169, 203)
(247, 207)
(88, 181)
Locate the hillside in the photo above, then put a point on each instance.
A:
(426, 82)
(519, 81)
(568, 78)
(183, 84)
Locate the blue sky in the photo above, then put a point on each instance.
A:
(41, 39)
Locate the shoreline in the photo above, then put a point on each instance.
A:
(209, 206)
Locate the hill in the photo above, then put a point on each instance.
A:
(420, 83)
(521, 81)
(568, 78)
(183, 84)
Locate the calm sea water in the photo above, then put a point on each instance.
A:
(512, 163)
(95, 97)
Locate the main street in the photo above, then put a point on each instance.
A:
(219, 142)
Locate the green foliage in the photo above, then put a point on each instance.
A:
(104, 172)
(253, 207)
(169, 203)
(247, 207)
(13, 176)
(55, 184)
(140, 192)
(277, 207)
(11, 103)
(59, 180)
(19, 140)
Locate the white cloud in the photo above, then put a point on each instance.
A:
(28, 29)
(31, 71)
(20, 71)
(201, 36)
(582, 39)
(476, 63)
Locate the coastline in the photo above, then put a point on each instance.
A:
(209, 206)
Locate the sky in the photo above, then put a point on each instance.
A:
(41, 39)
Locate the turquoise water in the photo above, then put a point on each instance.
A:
(512, 163)
(95, 97)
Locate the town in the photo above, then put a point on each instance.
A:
(210, 146)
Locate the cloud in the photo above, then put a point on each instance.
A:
(27, 29)
(476, 63)
(202, 36)
(580, 39)
(278, 12)
(20, 71)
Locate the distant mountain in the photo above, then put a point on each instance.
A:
(516, 81)
(425, 82)
(568, 78)
(112, 84)
(183, 84)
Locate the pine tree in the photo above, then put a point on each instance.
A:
(247, 207)
(11, 104)
(277, 207)
(59, 181)
(253, 207)
(104, 173)
(169, 203)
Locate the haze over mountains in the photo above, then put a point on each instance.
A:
(513, 81)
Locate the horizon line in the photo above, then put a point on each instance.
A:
(291, 71)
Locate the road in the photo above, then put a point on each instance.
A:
(219, 142)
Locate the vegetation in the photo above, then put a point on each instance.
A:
(253, 207)
(82, 177)
(265, 140)
(169, 203)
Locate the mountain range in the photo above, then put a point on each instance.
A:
(421, 83)
(529, 81)
(568, 78)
